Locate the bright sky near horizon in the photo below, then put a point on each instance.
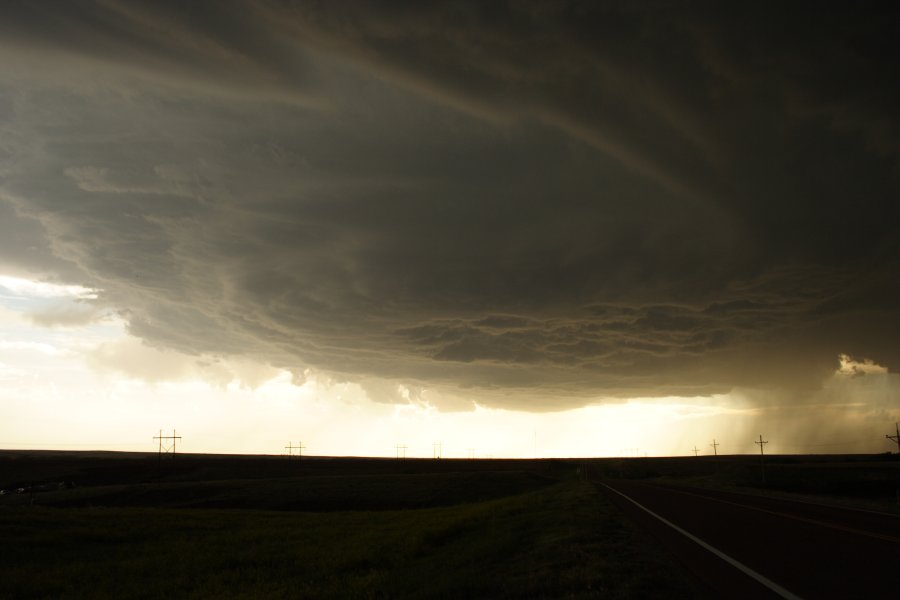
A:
(94, 386)
(525, 228)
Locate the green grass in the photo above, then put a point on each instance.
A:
(324, 493)
(561, 541)
(869, 482)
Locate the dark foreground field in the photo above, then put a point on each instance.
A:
(123, 525)
(327, 528)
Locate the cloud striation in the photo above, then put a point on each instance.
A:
(536, 204)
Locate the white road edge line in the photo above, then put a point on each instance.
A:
(845, 529)
(740, 566)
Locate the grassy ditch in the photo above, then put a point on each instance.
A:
(862, 481)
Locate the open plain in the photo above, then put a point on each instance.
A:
(81, 525)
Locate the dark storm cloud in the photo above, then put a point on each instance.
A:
(517, 199)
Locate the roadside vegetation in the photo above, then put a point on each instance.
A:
(563, 540)
(864, 481)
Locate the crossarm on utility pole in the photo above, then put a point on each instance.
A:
(762, 460)
(165, 448)
(896, 437)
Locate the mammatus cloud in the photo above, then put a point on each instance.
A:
(533, 205)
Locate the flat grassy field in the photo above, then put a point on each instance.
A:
(110, 525)
(520, 530)
(310, 493)
(863, 481)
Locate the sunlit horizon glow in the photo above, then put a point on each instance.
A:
(62, 391)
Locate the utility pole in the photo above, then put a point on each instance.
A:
(165, 448)
(715, 446)
(896, 437)
(762, 460)
(696, 450)
(299, 448)
(436, 450)
(400, 447)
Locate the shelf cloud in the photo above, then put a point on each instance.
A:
(534, 204)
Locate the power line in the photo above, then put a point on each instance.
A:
(299, 448)
(762, 461)
(164, 448)
(715, 446)
(761, 442)
(696, 450)
(436, 448)
(896, 437)
(400, 447)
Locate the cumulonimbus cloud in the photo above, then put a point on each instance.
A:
(551, 204)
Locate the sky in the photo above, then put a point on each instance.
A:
(515, 228)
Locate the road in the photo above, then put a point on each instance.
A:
(749, 546)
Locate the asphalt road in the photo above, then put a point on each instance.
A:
(768, 547)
